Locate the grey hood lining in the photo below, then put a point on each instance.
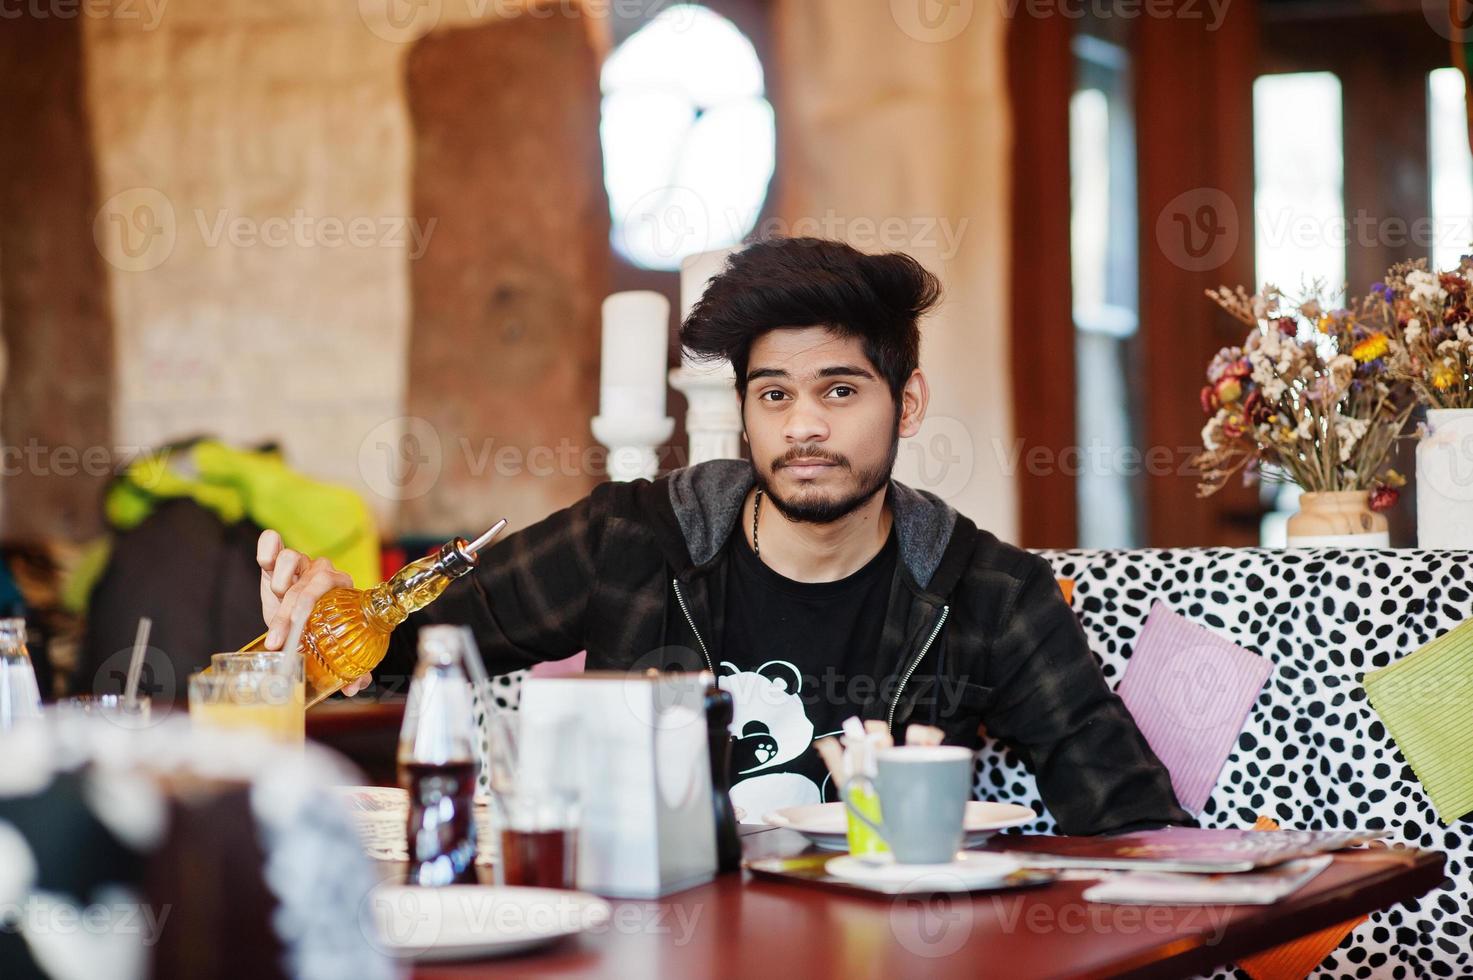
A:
(708, 498)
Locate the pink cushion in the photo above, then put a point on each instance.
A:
(1190, 692)
(561, 668)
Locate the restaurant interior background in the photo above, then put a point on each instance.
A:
(378, 234)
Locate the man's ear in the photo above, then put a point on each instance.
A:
(914, 398)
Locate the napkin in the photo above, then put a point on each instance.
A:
(1426, 702)
(1294, 960)
(1190, 691)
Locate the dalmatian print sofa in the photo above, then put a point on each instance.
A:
(1312, 754)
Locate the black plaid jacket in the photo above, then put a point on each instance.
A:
(977, 632)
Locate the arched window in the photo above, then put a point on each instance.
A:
(688, 137)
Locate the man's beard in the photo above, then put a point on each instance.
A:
(822, 510)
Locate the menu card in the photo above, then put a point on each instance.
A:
(1179, 849)
(1171, 888)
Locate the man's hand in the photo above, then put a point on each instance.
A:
(291, 584)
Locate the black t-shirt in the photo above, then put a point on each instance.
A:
(805, 658)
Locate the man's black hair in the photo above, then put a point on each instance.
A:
(810, 282)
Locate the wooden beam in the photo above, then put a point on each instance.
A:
(1041, 82)
(1194, 119)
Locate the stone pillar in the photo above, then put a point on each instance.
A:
(55, 410)
(506, 160)
(265, 151)
(895, 137)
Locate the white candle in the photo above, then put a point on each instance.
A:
(636, 343)
(696, 272)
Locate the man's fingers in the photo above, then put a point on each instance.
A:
(319, 579)
(289, 564)
(268, 546)
(357, 684)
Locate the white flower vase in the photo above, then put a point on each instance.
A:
(1343, 519)
(1445, 480)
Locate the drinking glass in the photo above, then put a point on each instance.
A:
(20, 698)
(114, 707)
(265, 692)
(539, 837)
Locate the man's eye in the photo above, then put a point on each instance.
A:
(772, 396)
(843, 391)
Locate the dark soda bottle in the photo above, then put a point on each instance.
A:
(437, 766)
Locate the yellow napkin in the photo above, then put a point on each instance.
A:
(1426, 701)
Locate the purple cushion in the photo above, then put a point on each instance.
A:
(1190, 691)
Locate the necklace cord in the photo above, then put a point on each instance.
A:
(756, 511)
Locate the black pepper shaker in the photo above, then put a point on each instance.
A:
(720, 709)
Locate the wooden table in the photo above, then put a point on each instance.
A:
(740, 927)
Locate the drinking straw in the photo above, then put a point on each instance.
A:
(923, 735)
(500, 731)
(832, 754)
(878, 734)
(135, 663)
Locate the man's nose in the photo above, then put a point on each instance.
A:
(805, 423)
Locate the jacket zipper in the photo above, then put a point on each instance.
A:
(680, 598)
(935, 632)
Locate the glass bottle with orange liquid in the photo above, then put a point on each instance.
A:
(347, 631)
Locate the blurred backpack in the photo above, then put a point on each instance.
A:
(191, 573)
(187, 519)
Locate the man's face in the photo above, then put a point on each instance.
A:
(821, 423)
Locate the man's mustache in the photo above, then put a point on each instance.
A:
(809, 455)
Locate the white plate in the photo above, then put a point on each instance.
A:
(968, 872)
(471, 922)
(827, 826)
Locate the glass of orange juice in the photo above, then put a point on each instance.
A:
(260, 691)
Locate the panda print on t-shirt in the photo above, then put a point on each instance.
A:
(771, 732)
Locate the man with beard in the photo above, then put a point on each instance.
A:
(811, 583)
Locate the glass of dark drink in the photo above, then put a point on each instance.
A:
(539, 838)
